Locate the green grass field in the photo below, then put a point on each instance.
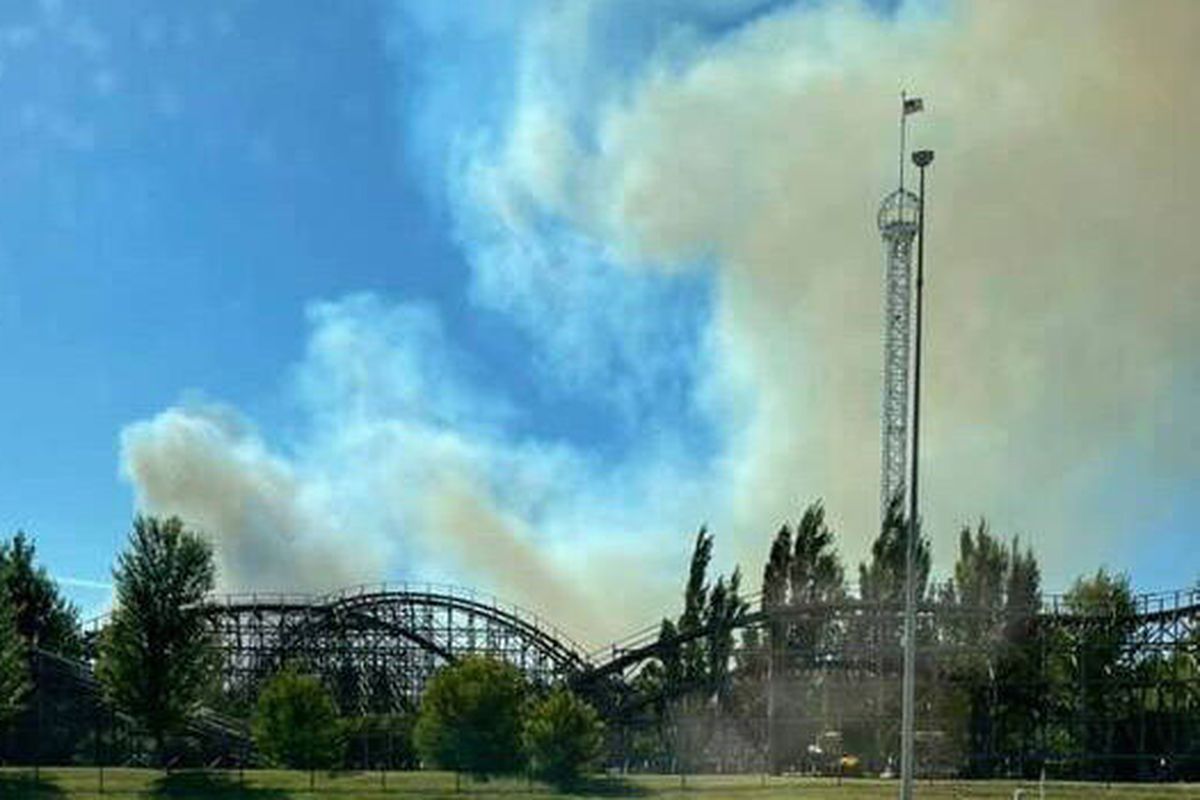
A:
(77, 784)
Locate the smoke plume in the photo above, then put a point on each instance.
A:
(1063, 294)
(1062, 291)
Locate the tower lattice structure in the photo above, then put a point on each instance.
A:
(897, 219)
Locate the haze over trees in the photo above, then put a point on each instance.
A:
(991, 684)
(692, 681)
(993, 670)
(1107, 601)
(803, 571)
(813, 676)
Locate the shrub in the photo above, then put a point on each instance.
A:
(563, 737)
(296, 723)
(471, 718)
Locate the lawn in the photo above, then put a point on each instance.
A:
(77, 784)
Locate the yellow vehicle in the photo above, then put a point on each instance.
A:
(849, 765)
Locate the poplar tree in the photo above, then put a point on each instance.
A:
(695, 603)
(881, 579)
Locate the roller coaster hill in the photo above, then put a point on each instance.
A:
(1084, 696)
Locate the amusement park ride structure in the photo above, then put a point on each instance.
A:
(376, 646)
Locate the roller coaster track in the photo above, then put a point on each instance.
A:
(384, 640)
(400, 634)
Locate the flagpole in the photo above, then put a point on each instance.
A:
(903, 126)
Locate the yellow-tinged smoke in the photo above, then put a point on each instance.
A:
(1063, 304)
(1064, 282)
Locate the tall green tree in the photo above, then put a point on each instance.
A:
(777, 571)
(725, 610)
(695, 604)
(157, 654)
(471, 718)
(687, 709)
(996, 690)
(975, 630)
(14, 664)
(1022, 594)
(816, 580)
(41, 613)
(803, 576)
(881, 583)
(691, 680)
(1023, 685)
(776, 592)
(981, 577)
(1103, 609)
(670, 661)
(816, 574)
(882, 578)
(296, 723)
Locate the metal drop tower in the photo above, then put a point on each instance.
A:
(901, 219)
(897, 219)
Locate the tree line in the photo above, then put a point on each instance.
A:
(813, 685)
(1002, 688)
(158, 662)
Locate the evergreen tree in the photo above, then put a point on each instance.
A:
(14, 664)
(157, 654)
(41, 612)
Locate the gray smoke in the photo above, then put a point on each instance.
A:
(272, 531)
(1063, 298)
(1063, 283)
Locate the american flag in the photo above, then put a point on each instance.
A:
(912, 105)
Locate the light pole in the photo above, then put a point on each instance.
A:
(922, 158)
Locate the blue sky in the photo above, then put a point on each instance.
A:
(389, 273)
(179, 189)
